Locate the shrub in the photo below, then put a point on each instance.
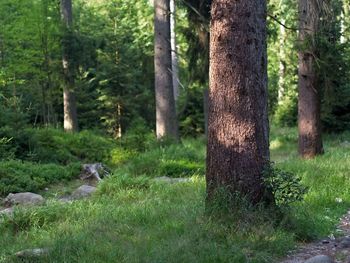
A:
(18, 176)
(56, 146)
(285, 186)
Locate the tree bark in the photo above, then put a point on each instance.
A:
(174, 57)
(309, 106)
(205, 110)
(238, 132)
(344, 23)
(70, 122)
(282, 64)
(166, 120)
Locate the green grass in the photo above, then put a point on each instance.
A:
(135, 219)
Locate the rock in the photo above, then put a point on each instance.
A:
(83, 192)
(345, 243)
(166, 179)
(7, 212)
(345, 144)
(93, 171)
(319, 259)
(65, 199)
(32, 253)
(23, 199)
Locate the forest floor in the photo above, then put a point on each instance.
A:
(338, 249)
(134, 218)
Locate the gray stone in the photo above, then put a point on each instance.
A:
(32, 253)
(23, 199)
(66, 199)
(93, 171)
(319, 259)
(345, 243)
(345, 144)
(7, 212)
(83, 191)
(166, 179)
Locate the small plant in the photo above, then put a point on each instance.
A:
(285, 186)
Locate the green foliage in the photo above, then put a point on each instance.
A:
(6, 151)
(285, 186)
(55, 146)
(52, 145)
(18, 176)
(286, 113)
(138, 137)
(132, 215)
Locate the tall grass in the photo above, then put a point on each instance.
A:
(133, 218)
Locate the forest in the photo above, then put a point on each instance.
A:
(175, 131)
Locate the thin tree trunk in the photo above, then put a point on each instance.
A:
(309, 106)
(70, 123)
(166, 120)
(345, 21)
(238, 132)
(174, 58)
(282, 64)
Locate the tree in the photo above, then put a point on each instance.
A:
(238, 133)
(174, 57)
(70, 123)
(309, 105)
(166, 120)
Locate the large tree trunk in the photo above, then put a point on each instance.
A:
(238, 132)
(70, 123)
(309, 108)
(174, 57)
(165, 104)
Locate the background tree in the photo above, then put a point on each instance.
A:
(69, 101)
(238, 138)
(174, 55)
(166, 119)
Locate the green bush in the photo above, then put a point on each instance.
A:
(138, 137)
(18, 176)
(56, 146)
(285, 186)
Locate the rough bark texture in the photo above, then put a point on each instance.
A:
(238, 133)
(309, 108)
(174, 59)
(70, 123)
(205, 110)
(166, 119)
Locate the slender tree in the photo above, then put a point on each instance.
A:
(309, 106)
(69, 102)
(174, 57)
(166, 120)
(238, 133)
(282, 63)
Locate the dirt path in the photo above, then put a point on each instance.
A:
(336, 248)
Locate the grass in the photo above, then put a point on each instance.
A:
(135, 219)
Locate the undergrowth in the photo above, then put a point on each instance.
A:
(133, 218)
